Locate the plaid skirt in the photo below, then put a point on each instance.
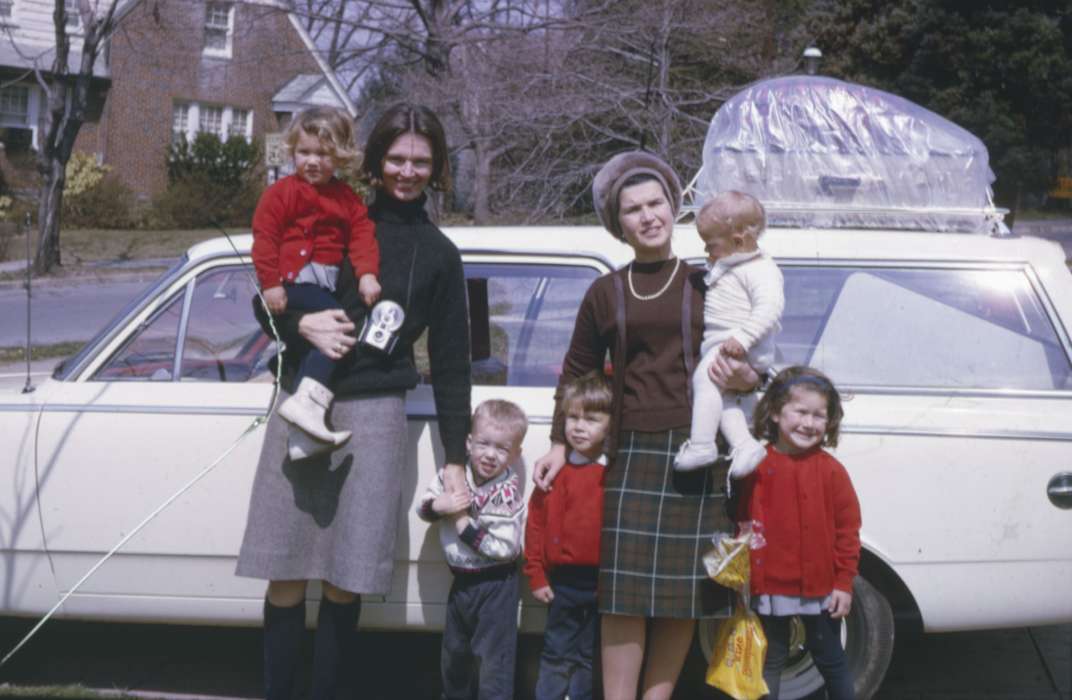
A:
(657, 523)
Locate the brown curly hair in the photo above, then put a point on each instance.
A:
(779, 393)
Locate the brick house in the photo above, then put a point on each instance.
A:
(173, 66)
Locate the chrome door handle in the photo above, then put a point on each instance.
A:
(1060, 490)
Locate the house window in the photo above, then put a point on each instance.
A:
(219, 19)
(7, 11)
(74, 16)
(180, 120)
(18, 117)
(15, 105)
(239, 124)
(190, 118)
(211, 120)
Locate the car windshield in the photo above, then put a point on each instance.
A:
(68, 366)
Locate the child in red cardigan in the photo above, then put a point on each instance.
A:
(303, 226)
(562, 544)
(804, 500)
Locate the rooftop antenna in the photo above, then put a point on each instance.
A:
(812, 57)
(28, 387)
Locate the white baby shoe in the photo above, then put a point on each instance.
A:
(695, 455)
(307, 408)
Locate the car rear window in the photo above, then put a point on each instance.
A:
(922, 327)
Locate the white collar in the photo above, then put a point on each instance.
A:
(576, 457)
(721, 266)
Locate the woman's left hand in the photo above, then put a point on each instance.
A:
(454, 478)
(840, 604)
(732, 374)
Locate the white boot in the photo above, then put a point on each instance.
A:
(302, 445)
(307, 408)
(695, 455)
(745, 458)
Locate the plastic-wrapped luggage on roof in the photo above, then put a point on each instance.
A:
(820, 152)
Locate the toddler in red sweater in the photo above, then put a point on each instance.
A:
(562, 544)
(303, 226)
(804, 500)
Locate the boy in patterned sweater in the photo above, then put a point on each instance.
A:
(481, 531)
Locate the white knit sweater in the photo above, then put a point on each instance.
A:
(744, 300)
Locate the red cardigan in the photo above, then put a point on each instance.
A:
(296, 222)
(563, 525)
(811, 520)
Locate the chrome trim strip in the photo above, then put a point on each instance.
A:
(533, 420)
(184, 319)
(950, 393)
(953, 432)
(126, 408)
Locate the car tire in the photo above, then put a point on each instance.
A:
(867, 635)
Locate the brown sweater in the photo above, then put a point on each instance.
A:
(655, 391)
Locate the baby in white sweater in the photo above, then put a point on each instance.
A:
(742, 312)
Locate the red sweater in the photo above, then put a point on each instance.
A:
(563, 525)
(811, 521)
(296, 222)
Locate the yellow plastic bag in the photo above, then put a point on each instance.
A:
(736, 666)
(727, 562)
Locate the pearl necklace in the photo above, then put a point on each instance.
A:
(657, 294)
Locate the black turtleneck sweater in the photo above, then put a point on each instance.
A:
(435, 300)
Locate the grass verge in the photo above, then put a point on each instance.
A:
(12, 354)
(92, 245)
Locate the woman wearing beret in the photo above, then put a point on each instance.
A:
(657, 521)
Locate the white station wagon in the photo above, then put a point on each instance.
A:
(952, 350)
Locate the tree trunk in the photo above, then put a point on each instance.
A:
(482, 184)
(48, 217)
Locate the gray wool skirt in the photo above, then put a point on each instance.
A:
(333, 517)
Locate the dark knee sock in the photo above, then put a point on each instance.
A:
(283, 631)
(334, 655)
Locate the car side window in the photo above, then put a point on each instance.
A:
(218, 338)
(223, 341)
(150, 354)
(922, 327)
(521, 318)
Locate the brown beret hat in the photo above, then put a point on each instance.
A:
(607, 184)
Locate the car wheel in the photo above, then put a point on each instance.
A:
(866, 634)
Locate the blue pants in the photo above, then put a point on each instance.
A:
(570, 640)
(480, 637)
(310, 297)
(823, 643)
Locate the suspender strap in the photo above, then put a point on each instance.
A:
(686, 332)
(618, 363)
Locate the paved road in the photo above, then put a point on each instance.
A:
(62, 312)
(1017, 664)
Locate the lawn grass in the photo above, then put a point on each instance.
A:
(92, 245)
(17, 353)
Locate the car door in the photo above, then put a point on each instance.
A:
(957, 379)
(162, 401)
(522, 310)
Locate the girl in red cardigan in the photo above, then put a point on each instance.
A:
(304, 225)
(804, 500)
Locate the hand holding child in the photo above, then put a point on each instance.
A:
(731, 347)
(276, 299)
(544, 594)
(451, 502)
(840, 604)
(369, 289)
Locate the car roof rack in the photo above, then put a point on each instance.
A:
(824, 153)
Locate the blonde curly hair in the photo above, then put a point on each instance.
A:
(335, 131)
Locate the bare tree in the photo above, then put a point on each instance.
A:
(68, 96)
